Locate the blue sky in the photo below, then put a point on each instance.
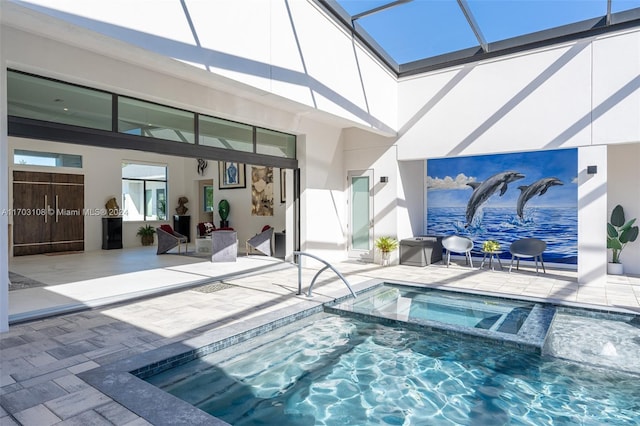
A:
(425, 28)
(453, 173)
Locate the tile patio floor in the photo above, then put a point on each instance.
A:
(41, 358)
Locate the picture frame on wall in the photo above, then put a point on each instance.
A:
(283, 186)
(231, 175)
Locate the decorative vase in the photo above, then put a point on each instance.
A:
(386, 255)
(147, 240)
(223, 210)
(615, 268)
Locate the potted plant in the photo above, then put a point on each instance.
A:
(491, 246)
(146, 234)
(386, 245)
(619, 233)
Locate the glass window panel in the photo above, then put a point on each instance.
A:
(144, 171)
(144, 192)
(155, 121)
(50, 159)
(420, 29)
(207, 199)
(500, 20)
(132, 200)
(353, 7)
(42, 99)
(620, 5)
(225, 134)
(277, 144)
(360, 213)
(155, 200)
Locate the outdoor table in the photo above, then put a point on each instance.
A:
(494, 254)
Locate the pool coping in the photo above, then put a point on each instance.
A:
(123, 380)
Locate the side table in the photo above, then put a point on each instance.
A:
(224, 246)
(491, 255)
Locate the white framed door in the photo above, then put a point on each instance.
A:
(360, 214)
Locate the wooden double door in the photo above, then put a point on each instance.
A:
(48, 212)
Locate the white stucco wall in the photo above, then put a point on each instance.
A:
(616, 89)
(365, 151)
(624, 189)
(322, 200)
(592, 215)
(577, 94)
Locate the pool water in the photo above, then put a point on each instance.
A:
(413, 304)
(335, 370)
(517, 323)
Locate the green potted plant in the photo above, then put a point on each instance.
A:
(491, 246)
(619, 234)
(386, 245)
(146, 234)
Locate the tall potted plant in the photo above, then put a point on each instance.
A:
(386, 245)
(619, 234)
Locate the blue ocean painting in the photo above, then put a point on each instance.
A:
(506, 197)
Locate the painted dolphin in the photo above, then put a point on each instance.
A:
(538, 187)
(483, 190)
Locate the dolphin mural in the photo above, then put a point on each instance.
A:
(483, 190)
(539, 187)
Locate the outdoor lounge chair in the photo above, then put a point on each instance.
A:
(168, 239)
(458, 244)
(261, 241)
(527, 247)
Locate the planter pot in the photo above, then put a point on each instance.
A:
(385, 258)
(615, 268)
(147, 240)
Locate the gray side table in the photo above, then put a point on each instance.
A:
(224, 246)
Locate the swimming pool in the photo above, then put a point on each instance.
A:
(335, 370)
(309, 366)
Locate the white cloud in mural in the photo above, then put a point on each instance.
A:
(459, 182)
(574, 180)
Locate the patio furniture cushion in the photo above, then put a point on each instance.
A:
(205, 228)
(167, 228)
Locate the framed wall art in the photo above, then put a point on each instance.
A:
(231, 175)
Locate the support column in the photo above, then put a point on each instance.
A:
(4, 199)
(592, 215)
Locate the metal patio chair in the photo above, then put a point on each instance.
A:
(458, 244)
(527, 247)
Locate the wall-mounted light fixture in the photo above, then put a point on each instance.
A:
(384, 179)
(592, 170)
